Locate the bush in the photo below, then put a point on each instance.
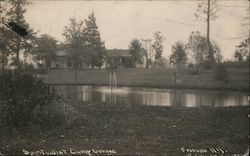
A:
(22, 94)
(160, 63)
(232, 64)
(221, 73)
(207, 65)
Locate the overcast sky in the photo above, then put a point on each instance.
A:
(121, 21)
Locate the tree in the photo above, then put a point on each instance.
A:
(217, 52)
(73, 31)
(16, 43)
(74, 43)
(46, 48)
(178, 55)
(242, 51)
(209, 9)
(238, 57)
(158, 44)
(135, 48)
(92, 41)
(3, 37)
(221, 73)
(3, 48)
(198, 46)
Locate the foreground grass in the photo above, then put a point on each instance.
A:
(142, 130)
(239, 78)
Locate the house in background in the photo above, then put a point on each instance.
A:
(122, 58)
(61, 60)
(115, 58)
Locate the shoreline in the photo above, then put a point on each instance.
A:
(152, 86)
(153, 78)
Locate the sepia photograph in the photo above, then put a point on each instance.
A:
(124, 77)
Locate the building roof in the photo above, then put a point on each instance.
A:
(123, 52)
(110, 53)
(119, 52)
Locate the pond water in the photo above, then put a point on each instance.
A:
(153, 96)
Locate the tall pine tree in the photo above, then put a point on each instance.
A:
(73, 42)
(92, 40)
(208, 10)
(16, 43)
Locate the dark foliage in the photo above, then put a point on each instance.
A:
(178, 55)
(233, 64)
(242, 51)
(221, 73)
(135, 49)
(207, 65)
(190, 65)
(22, 96)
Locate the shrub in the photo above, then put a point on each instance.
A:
(206, 65)
(22, 94)
(221, 73)
(160, 63)
(232, 64)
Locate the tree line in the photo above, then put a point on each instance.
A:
(201, 48)
(85, 47)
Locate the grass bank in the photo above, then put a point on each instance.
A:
(142, 130)
(163, 78)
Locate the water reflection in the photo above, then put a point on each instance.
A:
(153, 96)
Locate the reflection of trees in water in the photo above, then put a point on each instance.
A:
(146, 96)
(153, 98)
(78, 93)
(70, 92)
(191, 100)
(206, 98)
(132, 99)
(86, 93)
(178, 98)
(98, 96)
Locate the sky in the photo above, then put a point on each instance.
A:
(120, 22)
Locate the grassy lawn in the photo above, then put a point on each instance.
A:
(239, 78)
(142, 130)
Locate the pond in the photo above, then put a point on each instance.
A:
(153, 96)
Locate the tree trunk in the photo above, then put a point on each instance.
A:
(17, 53)
(197, 67)
(134, 63)
(3, 59)
(18, 13)
(210, 49)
